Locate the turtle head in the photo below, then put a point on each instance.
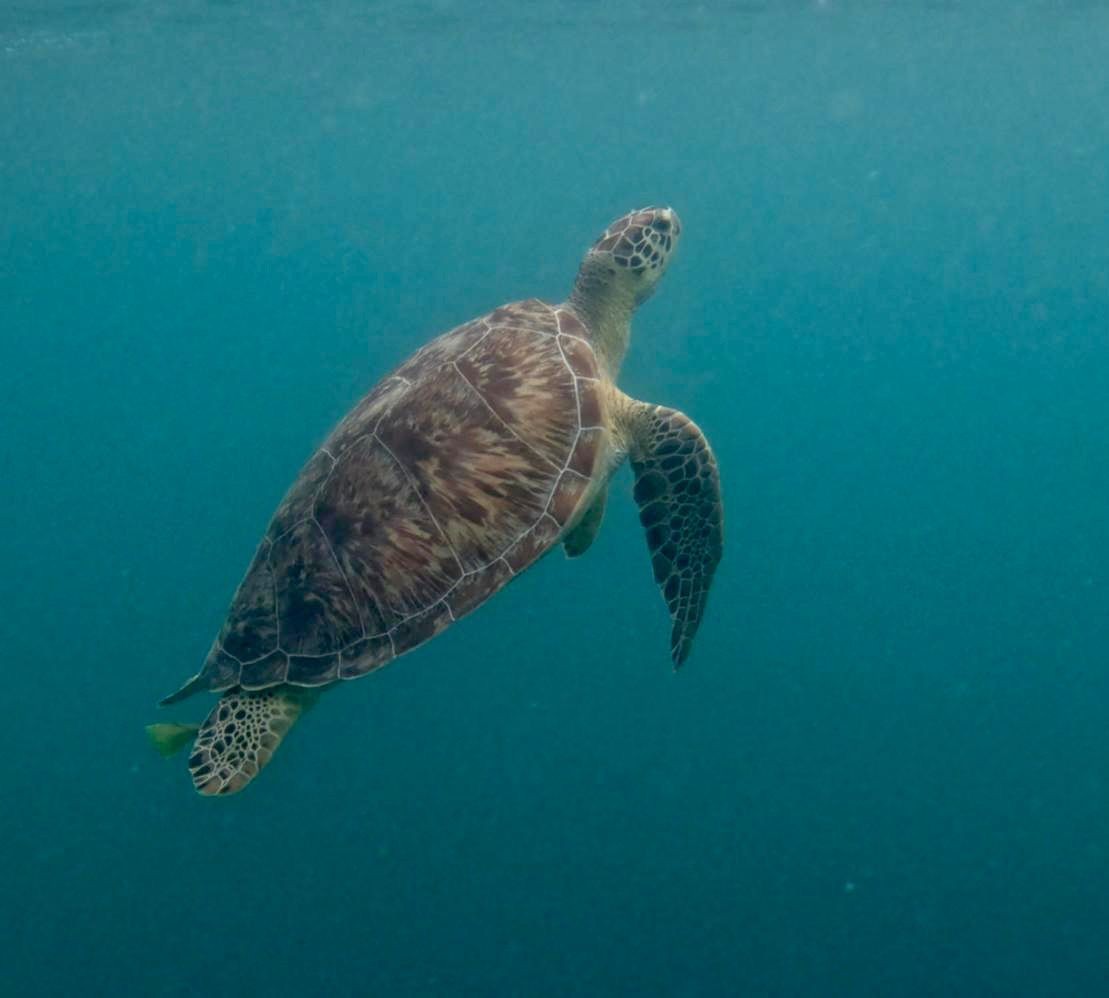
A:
(629, 257)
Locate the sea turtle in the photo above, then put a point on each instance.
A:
(481, 452)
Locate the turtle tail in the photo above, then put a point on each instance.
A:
(241, 734)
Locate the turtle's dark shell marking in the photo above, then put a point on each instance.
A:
(452, 475)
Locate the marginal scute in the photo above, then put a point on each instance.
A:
(589, 402)
(567, 496)
(363, 419)
(268, 671)
(583, 460)
(475, 588)
(531, 313)
(315, 670)
(534, 543)
(365, 656)
(297, 503)
(422, 627)
(579, 356)
(442, 350)
(220, 670)
(503, 314)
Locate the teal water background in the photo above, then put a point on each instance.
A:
(885, 768)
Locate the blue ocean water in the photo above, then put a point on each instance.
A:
(885, 768)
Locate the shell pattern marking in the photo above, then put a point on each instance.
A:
(451, 476)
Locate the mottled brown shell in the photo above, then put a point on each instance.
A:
(454, 474)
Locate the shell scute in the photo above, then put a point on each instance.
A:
(535, 400)
(313, 670)
(422, 627)
(568, 493)
(531, 313)
(479, 481)
(476, 587)
(364, 418)
(442, 350)
(390, 549)
(265, 672)
(579, 356)
(590, 446)
(591, 406)
(532, 544)
(316, 610)
(453, 474)
(220, 671)
(365, 656)
(569, 323)
(250, 630)
(296, 506)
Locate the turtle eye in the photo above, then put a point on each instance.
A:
(661, 225)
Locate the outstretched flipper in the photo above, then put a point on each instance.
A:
(677, 488)
(578, 540)
(241, 734)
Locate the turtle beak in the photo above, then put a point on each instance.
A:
(668, 223)
(671, 216)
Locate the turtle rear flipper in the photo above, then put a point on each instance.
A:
(677, 489)
(577, 541)
(240, 736)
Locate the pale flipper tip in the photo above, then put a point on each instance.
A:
(170, 738)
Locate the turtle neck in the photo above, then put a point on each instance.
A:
(606, 309)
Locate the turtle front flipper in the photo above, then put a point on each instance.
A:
(578, 539)
(241, 734)
(677, 488)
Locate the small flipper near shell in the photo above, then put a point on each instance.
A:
(577, 541)
(677, 488)
(241, 734)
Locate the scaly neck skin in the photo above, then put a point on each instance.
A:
(606, 309)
